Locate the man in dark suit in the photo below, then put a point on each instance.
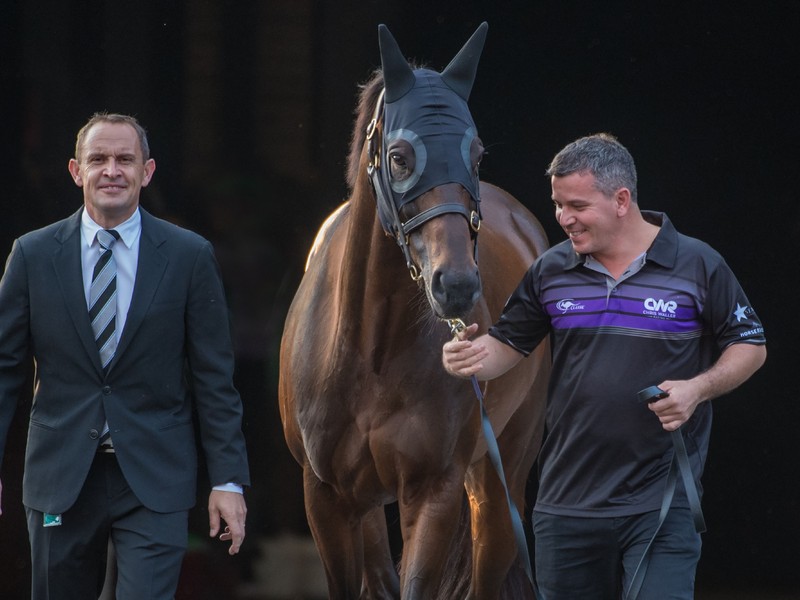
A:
(111, 449)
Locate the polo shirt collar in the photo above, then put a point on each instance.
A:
(663, 250)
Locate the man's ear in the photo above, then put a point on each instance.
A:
(622, 199)
(149, 169)
(75, 171)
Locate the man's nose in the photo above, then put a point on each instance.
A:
(111, 168)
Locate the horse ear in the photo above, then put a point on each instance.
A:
(398, 77)
(460, 73)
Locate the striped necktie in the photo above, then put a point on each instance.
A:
(103, 309)
(103, 297)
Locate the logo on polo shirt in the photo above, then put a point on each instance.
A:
(568, 304)
(741, 312)
(658, 307)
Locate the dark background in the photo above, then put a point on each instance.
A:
(249, 110)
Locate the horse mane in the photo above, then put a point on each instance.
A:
(365, 109)
(367, 97)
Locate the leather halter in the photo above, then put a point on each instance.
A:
(397, 228)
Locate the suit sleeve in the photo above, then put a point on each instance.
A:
(211, 365)
(14, 337)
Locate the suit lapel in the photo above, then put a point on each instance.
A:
(67, 264)
(149, 272)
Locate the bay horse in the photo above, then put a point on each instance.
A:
(368, 410)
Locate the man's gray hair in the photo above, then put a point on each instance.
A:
(602, 156)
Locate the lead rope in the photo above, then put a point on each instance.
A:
(456, 326)
(681, 459)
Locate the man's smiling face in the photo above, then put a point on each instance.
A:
(588, 217)
(112, 171)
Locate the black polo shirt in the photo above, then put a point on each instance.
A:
(605, 454)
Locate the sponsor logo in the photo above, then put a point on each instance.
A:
(568, 304)
(663, 309)
(741, 312)
(752, 332)
(661, 306)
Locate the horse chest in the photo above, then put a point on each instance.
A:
(360, 434)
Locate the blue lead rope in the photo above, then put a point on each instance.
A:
(493, 451)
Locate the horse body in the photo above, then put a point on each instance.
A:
(371, 415)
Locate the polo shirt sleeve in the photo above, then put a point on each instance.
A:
(524, 322)
(729, 313)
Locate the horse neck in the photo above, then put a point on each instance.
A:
(373, 267)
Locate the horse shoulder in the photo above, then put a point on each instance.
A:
(326, 231)
(308, 336)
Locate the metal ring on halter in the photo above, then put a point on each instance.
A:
(456, 326)
(475, 221)
(414, 271)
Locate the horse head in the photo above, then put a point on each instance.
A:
(424, 153)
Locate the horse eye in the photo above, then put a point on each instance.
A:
(476, 152)
(401, 160)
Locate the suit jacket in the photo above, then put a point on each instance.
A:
(174, 359)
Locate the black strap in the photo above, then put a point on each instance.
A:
(679, 464)
(427, 215)
(494, 458)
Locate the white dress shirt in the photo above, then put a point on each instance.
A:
(126, 256)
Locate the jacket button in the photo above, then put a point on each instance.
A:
(94, 434)
(107, 390)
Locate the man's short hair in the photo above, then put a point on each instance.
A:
(601, 155)
(103, 117)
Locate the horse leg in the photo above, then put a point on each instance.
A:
(380, 575)
(337, 534)
(493, 544)
(428, 521)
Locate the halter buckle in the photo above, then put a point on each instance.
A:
(475, 221)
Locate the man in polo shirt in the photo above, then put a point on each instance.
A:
(629, 303)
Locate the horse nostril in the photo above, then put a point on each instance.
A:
(437, 285)
(456, 293)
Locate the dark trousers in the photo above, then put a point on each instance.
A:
(595, 558)
(68, 560)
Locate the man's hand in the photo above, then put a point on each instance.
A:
(484, 357)
(674, 410)
(735, 366)
(462, 357)
(231, 508)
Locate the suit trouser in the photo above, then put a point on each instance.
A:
(595, 558)
(68, 560)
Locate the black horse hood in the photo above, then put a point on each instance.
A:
(426, 114)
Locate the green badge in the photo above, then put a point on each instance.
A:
(51, 520)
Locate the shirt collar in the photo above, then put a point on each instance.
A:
(663, 250)
(128, 230)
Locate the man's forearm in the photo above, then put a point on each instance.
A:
(736, 365)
